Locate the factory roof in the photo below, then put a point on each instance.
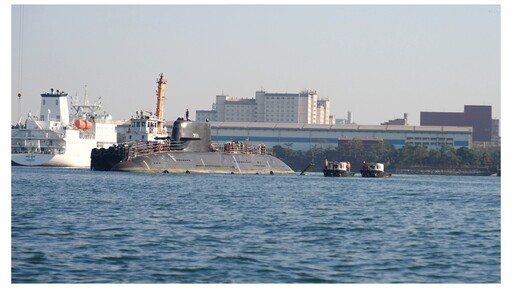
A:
(340, 127)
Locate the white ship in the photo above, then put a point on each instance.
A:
(58, 138)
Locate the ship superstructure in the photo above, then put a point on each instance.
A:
(148, 126)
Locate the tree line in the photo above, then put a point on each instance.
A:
(356, 152)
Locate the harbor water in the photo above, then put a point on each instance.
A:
(80, 226)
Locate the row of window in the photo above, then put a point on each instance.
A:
(280, 106)
(130, 137)
(280, 119)
(143, 124)
(236, 107)
(237, 115)
(432, 143)
(430, 138)
(281, 97)
(56, 101)
(57, 117)
(277, 111)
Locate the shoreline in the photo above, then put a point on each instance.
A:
(446, 171)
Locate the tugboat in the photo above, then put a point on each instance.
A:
(373, 170)
(188, 149)
(337, 169)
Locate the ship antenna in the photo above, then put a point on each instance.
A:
(160, 102)
(86, 97)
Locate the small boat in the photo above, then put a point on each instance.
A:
(337, 169)
(374, 170)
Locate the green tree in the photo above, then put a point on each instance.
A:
(496, 160)
(448, 157)
(355, 153)
(406, 154)
(420, 154)
(434, 157)
(466, 156)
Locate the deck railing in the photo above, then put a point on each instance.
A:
(144, 148)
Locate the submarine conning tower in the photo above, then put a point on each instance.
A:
(196, 136)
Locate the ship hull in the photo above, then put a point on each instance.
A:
(204, 162)
(338, 173)
(77, 154)
(374, 174)
(60, 160)
(31, 159)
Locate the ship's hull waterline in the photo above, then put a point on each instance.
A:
(77, 155)
(60, 160)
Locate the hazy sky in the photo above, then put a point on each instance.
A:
(376, 61)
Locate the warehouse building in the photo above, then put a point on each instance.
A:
(307, 136)
(477, 116)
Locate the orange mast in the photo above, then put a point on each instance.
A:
(160, 102)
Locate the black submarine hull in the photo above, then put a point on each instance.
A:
(188, 150)
(204, 162)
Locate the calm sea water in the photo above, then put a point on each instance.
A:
(78, 226)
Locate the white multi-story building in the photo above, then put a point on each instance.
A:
(303, 107)
(323, 108)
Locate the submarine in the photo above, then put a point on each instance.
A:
(188, 149)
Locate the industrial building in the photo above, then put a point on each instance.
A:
(398, 121)
(303, 107)
(307, 136)
(476, 116)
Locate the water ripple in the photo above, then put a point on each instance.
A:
(78, 226)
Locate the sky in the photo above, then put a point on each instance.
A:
(378, 61)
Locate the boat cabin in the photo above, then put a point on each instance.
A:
(376, 167)
(144, 128)
(374, 170)
(335, 165)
